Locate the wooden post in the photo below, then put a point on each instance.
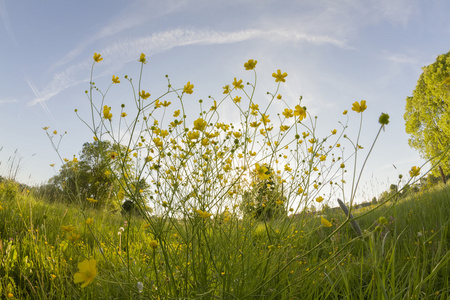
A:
(353, 223)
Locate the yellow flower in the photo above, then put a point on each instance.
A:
(279, 97)
(87, 270)
(176, 113)
(334, 131)
(193, 135)
(251, 64)
(204, 214)
(300, 112)
(142, 58)
(415, 171)
(255, 124)
(284, 127)
(158, 142)
(265, 119)
(107, 112)
(279, 77)
(10, 295)
(153, 244)
(113, 155)
(55, 132)
(89, 221)
(237, 99)
(188, 88)
(68, 228)
(262, 172)
(52, 165)
(288, 113)
(46, 127)
(342, 166)
(345, 112)
(92, 200)
(226, 89)
(75, 160)
(115, 79)
(144, 95)
(238, 84)
(97, 57)
(123, 115)
(359, 108)
(319, 199)
(73, 237)
(325, 222)
(200, 124)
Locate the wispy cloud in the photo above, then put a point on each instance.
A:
(125, 51)
(7, 100)
(5, 19)
(134, 16)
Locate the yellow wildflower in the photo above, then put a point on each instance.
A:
(288, 113)
(68, 228)
(415, 171)
(359, 107)
(200, 124)
(142, 58)
(279, 77)
(153, 244)
(238, 84)
(87, 270)
(89, 221)
(325, 222)
(300, 112)
(188, 88)
(115, 79)
(250, 65)
(107, 112)
(92, 200)
(144, 95)
(97, 57)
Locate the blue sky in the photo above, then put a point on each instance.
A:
(335, 52)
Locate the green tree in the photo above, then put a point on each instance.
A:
(96, 175)
(427, 112)
(265, 199)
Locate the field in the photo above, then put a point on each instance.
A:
(403, 254)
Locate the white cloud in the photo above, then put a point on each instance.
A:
(135, 15)
(7, 100)
(5, 18)
(125, 51)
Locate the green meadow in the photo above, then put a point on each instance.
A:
(405, 257)
(164, 204)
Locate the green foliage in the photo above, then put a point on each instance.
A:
(265, 199)
(97, 175)
(404, 254)
(427, 112)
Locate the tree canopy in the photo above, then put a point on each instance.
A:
(427, 113)
(96, 175)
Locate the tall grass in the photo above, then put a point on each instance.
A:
(404, 257)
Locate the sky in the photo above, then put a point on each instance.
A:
(335, 53)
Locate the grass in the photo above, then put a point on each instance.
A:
(404, 253)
